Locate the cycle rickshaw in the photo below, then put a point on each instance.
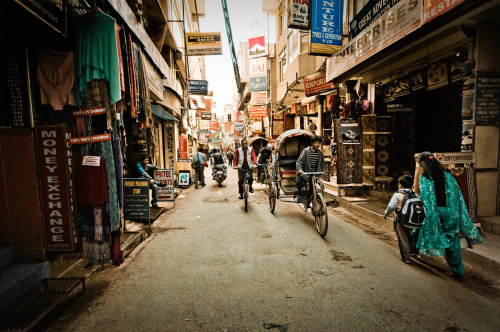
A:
(289, 145)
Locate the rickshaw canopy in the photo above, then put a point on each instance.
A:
(301, 141)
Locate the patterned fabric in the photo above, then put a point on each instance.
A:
(114, 210)
(432, 240)
(368, 175)
(466, 180)
(94, 222)
(382, 155)
(384, 124)
(369, 141)
(369, 123)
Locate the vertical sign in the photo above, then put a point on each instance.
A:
(183, 147)
(170, 144)
(326, 27)
(136, 199)
(165, 176)
(55, 187)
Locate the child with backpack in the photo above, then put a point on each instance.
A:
(410, 213)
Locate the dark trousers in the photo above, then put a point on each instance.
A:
(199, 176)
(241, 178)
(405, 240)
(301, 182)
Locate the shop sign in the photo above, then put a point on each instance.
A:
(389, 28)
(208, 105)
(214, 116)
(457, 67)
(326, 27)
(467, 136)
(54, 166)
(183, 147)
(206, 115)
(350, 131)
(197, 87)
(257, 47)
(468, 90)
(88, 112)
(487, 98)
(258, 83)
(86, 139)
(257, 111)
(214, 125)
(312, 108)
(435, 8)
(227, 127)
(166, 176)
(370, 13)
(51, 12)
(259, 97)
(136, 199)
(170, 153)
(203, 43)
(418, 79)
(258, 67)
(238, 127)
(213, 105)
(437, 75)
(455, 157)
(316, 83)
(298, 14)
(14, 88)
(294, 107)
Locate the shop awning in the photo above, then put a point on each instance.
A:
(162, 114)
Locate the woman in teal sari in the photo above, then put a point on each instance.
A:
(446, 217)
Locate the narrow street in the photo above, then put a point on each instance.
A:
(211, 266)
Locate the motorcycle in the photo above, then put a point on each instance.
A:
(219, 175)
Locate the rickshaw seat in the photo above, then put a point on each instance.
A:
(287, 161)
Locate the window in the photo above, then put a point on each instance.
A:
(304, 42)
(293, 44)
(282, 64)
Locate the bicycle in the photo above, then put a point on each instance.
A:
(272, 187)
(318, 208)
(246, 186)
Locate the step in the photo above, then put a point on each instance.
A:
(7, 258)
(490, 224)
(19, 278)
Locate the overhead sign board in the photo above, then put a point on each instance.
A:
(259, 97)
(326, 27)
(197, 87)
(208, 43)
(258, 83)
(298, 14)
(258, 67)
(371, 12)
(257, 111)
(316, 83)
(435, 8)
(257, 47)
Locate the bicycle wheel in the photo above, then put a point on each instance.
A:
(272, 198)
(268, 186)
(245, 194)
(320, 215)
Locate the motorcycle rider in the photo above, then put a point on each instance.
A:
(217, 159)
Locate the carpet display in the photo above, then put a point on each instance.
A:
(350, 160)
(466, 180)
(369, 125)
(383, 146)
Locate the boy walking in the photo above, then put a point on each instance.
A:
(406, 236)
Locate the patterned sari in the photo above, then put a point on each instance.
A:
(432, 240)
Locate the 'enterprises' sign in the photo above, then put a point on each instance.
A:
(326, 27)
(398, 22)
(208, 43)
(54, 165)
(455, 157)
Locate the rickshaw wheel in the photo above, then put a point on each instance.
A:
(320, 215)
(272, 199)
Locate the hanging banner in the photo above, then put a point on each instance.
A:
(166, 176)
(183, 147)
(316, 83)
(257, 47)
(298, 14)
(206, 115)
(208, 105)
(257, 111)
(258, 67)
(197, 87)
(86, 139)
(258, 83)
(388, 29)
(259, 97)
(227, 127)
(208, 43)
(326, 27)
(214, 125)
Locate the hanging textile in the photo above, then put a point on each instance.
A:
(134, 84)
(349, 155)
(383, 146)
(369, 126)
(114, 210)
(91, 184)
(96, 54)
(56, 76)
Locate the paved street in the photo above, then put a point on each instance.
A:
(210, 266)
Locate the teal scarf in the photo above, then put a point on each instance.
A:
(432, 239)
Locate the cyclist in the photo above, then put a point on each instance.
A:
(264, 158)
(244, 158)
(311, 160)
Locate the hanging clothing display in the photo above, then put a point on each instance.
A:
(96, 54)
(114, 210)
(56, 76)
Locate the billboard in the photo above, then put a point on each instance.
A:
(197, 87)
(258, 83)
(257, 111)
(326, 27)
(257, 47)
(208, 43)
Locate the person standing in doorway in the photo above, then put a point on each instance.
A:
(198, 163)
(447, 216)
(244, 158)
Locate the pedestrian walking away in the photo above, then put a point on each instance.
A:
(197, 163)
(406, 236)
(447, 216)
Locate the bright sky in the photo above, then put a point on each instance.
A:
(219, 68)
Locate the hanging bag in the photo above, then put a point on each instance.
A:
(195, 163)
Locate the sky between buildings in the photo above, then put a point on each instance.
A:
(219, 68)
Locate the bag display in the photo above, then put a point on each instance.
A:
(413, 211)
